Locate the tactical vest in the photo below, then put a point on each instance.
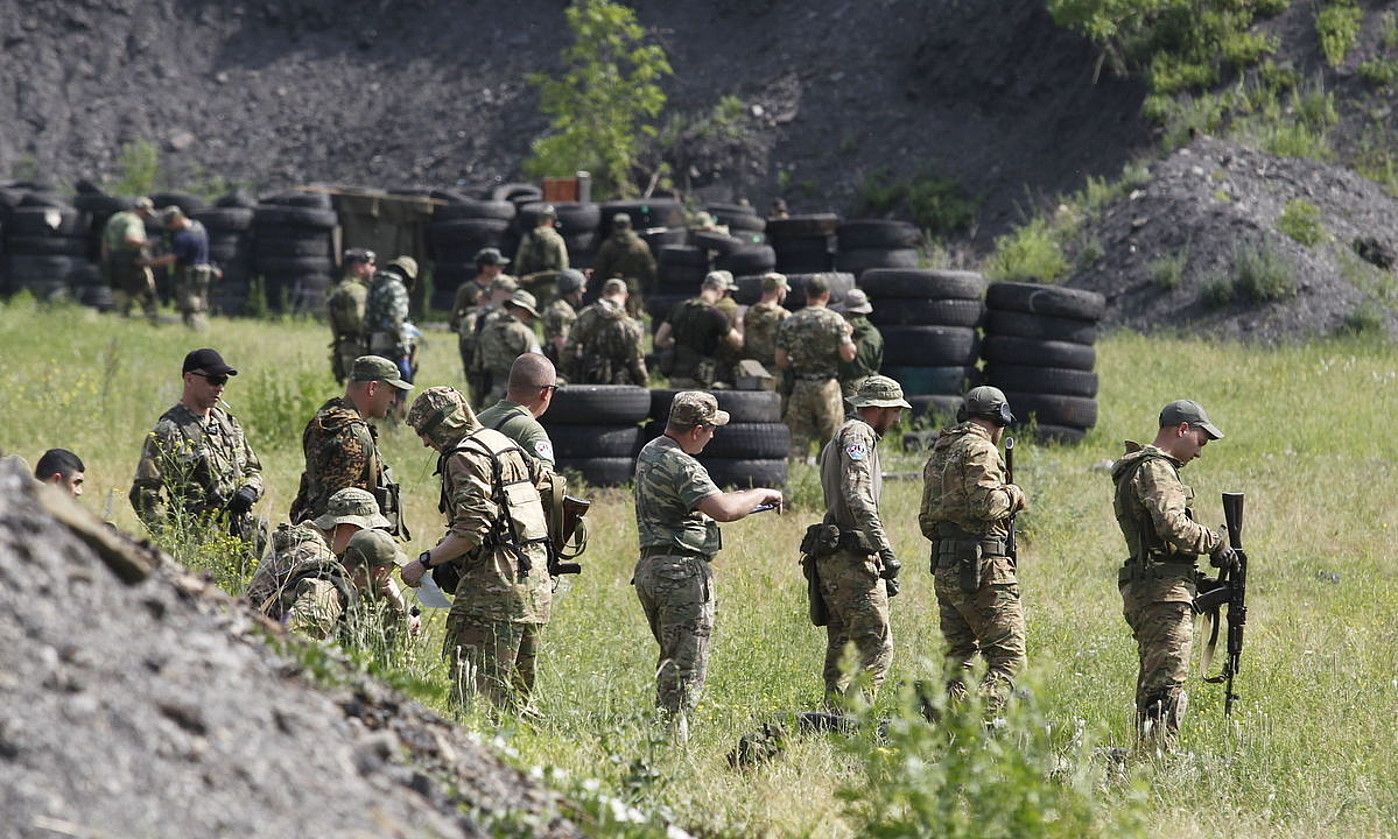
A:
(1146, 548)
(524, 522)
(378, 314)
(694, 345)
(279, 603)
(343, 312)
(220, 455)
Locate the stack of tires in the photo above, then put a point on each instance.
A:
(679, 271)
(596, 430)
(803, 244)
(747, 260)
(928, 319)
(875, 243)
(293, 250)
(229, 225)
(1039, 351)
(750, 451)
(459, 230)
(45, 250)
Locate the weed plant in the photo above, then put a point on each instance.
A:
(1337, 25)
(1301, 220)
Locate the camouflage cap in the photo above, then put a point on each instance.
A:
(988, 403)
(171, 213)
(720, 281)
(405, 264)
(856, 303)
(504, 282)
(1185, 410)
(373, 549)
(522, 299)
(143, 203)
(491, 256)
(441, 413)
(621, 220)
(693, 407)
(548, 211)
(374, 368)
(352, 505)
(571, 280)
(771, 281)
(878, 392)
(613, 286)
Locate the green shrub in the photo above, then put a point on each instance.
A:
(138, 168)
(1388, 30)
(1379, 72)
(936, 204)
(1217, 291)
(1263, 274)
(1032, 252)
(1089, 251)
(1167, 272)
(1295, 140)
(1301, 221)
(1337, 26)
(1364, 319)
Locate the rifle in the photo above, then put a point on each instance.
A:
(1011, 549)
(1229, 589)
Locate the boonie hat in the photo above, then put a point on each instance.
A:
(374, 368)
(523, 300)
(693, 407)
(491, 256)
(504, 282)
(1185, 410)
(373, 549)
(406, 264)
(878, 392)
(207, 361)
(856, 302)
(352, 505)
(613, 286)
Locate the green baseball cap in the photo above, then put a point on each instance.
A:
(1185, 410)
(374, 368)
(372, 549)
(878, 392)
(352, 505)
(989, 403)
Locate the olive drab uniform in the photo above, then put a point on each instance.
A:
(627, 256)
(673, 579)
(517, 423)
(491, 498)
(604, 347)
(760, 325)
(502, 340)
(1153, 509)
(698, 328)
(473, 325)
(966, 506)
(131, 281)
(868, 355)
(190, 468)
(385, 313)
(558, 319)
(541, 249)
(342, 450)
(345, 307)
(856, 599)
(811, 339)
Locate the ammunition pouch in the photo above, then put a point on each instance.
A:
(963, 550)
(389, 496)
(820, 540)
(819, 614)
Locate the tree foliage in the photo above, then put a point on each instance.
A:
(603, 105)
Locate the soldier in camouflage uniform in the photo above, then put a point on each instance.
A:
(852, 482)
(532, 383)
(342, 449)
(189, 254)
(542, 249)
(678, 508)
(386, 314)
(868, 342)
(497, 532)
(604, 347)
(123, 256)
(345, 308)
(810, 346)
(490, 263)
(763, 319)
(695, 331)
(473, 325)
(966, 508)
(560, 315)
(196, 466)
(503, 340)
(1153, 509)
(626, 256)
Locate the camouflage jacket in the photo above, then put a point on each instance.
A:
(868, 354)
(604, 347)
(760, 325)
(341, 450)
(812, 339)
(468, 296)
(345, 308)
(668, 488)
(964, 484)
(625, 254)
(541, 249)
(293, 546)
(386, 311)
(313, 594)
(193, 465)
(558, 319)
(1153, 509)
(852, 482)
(502, 340)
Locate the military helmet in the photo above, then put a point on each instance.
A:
(987, 402)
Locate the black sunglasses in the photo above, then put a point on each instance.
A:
(217, 381)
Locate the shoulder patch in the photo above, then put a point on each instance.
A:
(857, 450)
(543, 448)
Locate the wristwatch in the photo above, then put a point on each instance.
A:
(425, 559)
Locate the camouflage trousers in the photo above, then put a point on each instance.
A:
(813, 414)
(857, 603)
(1158, 611)
(990, 621)
(491, 658)
(192, 294)
(677, 594)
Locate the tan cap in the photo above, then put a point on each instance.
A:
(693, 407)
(406, 264)
(523, 300)
(721, 280)
(771, 281)
(504, 282)
(878, 392)
(143, 203)
(352, 505)
(613, 286)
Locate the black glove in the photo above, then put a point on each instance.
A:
(242, 501)
(891, 565)
(1225, 557)
(891, 585)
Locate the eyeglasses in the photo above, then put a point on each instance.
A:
(548, 387)
(217, 381)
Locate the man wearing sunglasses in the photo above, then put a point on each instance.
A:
(196, 467)
(528, 395)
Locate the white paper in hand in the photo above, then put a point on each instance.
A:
(429, 595)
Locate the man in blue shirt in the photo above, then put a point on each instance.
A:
(189, 254)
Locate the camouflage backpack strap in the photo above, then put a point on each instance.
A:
(1151, 543)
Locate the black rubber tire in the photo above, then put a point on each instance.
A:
(880, 234)
(45, 198)
(1058, 434)
(45, 221)
(941, 407)
(232, 219)
(515, 192)
(472, 208)
(1041, 327)
(683, 255)
(47, 245)
(30, 270)
(720, 243)
(922, 283)
(311, 218)
(927, 381)
(865, 259)
(750, 288)
(737, 218)
(186, 201)
(601, 471)
(1047, 300)
(803, 226)
(599, 405)
(101, 204)
(1022, 378)
(293, 266)
(680, 279)
(899, 311)
(237, 198)
(743, 406)
(1004, 349)
(1053, 409)
(660, 305)
(754, 259)
(750, 441)
(658, 237)
(743, 473)
(572, 217)
(97, 297)
(296, 198)
(318, 246)
(579, 442)
(466, 230)
(226, 252)
(929, 346)
(85, 275)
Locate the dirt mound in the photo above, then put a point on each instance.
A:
(1196, 247)
(155, 709)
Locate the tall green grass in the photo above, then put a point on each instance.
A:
(1309, 751)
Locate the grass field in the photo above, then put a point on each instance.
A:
(1311, 750)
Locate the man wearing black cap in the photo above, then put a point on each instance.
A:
(490, 263)
(560, 315)
(346, 307)
(1152, 508)
(542, 249)
(196, 466)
